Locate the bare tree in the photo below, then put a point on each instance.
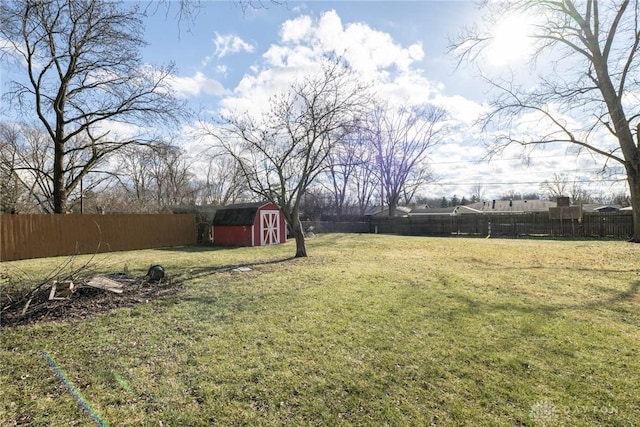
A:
(587, 99)
(28, 155)
(561, 185)
(555, 187)
(31, 164)
(282, 152)
(342, 166)
(477, 193)
(134, 177)
(402, 138)
(351, 177)
(415, 180)
(364, 179)
(223, 182)
(10, 184)
(317, 204)
(620, 199)
(84, 76)
(365, 183)
(155, 177)
(171, 176)
(580, 194)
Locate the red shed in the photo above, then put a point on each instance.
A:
(249, 224)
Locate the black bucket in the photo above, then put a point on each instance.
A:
(155, 273)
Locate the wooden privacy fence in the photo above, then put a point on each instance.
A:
(609, 225)
(38, 236)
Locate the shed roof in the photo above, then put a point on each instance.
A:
(240, 214)
(207, 212)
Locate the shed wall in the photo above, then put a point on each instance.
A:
(257, 226)
(232, 235)
(247, 235)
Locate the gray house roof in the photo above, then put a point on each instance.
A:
(509, 206)
(426, 211)
(377, 211)
(594, 207)
(499, 206)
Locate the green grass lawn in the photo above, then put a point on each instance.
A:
(369, 330)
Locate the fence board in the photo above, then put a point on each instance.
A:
(38, 236)
(335, 227)
(610, 225)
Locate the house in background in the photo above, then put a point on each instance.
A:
(593, 207)
(377, 211)
(493, 207)
(426, 210)
(249, 224)
(510, 206)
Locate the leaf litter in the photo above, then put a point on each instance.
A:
(81, 298)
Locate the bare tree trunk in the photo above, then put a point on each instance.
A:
(392, 209)
(59, 190)
(298, 234)
(634, 189)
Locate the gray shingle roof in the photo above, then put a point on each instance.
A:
(240, 214)
(513, 206)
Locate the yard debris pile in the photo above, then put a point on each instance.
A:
(82, 298)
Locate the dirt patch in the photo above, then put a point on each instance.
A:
(83, 303)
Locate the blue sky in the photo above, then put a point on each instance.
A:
(228, 58)
(227, 55)
(427, 23)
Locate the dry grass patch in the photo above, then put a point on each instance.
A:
(369, 330)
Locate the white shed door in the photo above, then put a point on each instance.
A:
(269, 227)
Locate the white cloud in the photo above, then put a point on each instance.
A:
(207, 59)
(120, 130)
(8, 47)
(196, 85)
(305, 42)
(460, 108)
(410, 88)
(395, 71)
(367, 50)
(296, 30)
(10, 51)
(299, 8)
(230, 43)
